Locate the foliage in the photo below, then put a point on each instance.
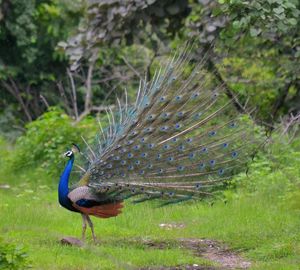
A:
(273, 175)
(29, 63)
(264, 31)
(46, 139)
(13, 257)
(269, 18)
(32, 29)
(111, 22)
(30, 68)
(273, 27)
(267, 31)
(257, 84)
(106, 78)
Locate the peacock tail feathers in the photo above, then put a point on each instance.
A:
(181, 139)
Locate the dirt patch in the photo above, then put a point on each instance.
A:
(205, 248)
(186, 267)
(216, 252)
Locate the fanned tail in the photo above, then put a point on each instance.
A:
(182, 139)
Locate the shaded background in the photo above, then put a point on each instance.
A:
(252, 47)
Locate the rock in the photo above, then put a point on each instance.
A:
(4, 186)
(173, 225)
(71, 241)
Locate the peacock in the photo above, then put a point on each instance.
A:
(182, 139)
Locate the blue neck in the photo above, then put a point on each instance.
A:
(63, 188)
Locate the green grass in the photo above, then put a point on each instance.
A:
(261, 219)
(265, 232)
(40, 224)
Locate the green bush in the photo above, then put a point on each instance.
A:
(274, 174)
(12, 257)
(46, 139)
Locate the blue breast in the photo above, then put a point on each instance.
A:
(65, 202)
(63, 187)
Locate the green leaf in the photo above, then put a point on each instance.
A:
(254, 32)
(289, 5)
(278, 10)
(236, 24)
(292, 21)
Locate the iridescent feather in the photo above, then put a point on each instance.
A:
(181, 139)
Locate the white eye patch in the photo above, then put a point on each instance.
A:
(69, 153)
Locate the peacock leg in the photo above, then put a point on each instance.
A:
(84, 219)
(92, 227)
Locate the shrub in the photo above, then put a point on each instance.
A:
(46, 139)
(12, 257)
(274, 174)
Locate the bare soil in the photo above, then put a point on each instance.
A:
(218, 253)
(214, 251)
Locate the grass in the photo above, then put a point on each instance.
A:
(261, 219)
(266, 233)
(40, 223)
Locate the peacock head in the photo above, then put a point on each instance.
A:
(70, 153)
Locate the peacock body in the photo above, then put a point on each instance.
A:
(182, 139)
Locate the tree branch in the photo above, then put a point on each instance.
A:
(13, 89)
(133, 69)
(240, 108)
(89, 89)
(281, 99)
(73, 93)
(148, 68)
(44, 101)
(94, 108)
(88, 96)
